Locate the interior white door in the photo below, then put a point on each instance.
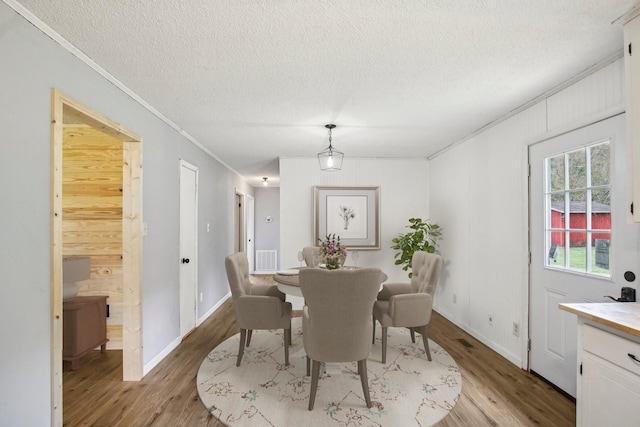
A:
(250, 227)
(188, 246)
(554, 278)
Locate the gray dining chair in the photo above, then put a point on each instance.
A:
(336, 321)
(256, 307)
(309, 253)
(409, 304)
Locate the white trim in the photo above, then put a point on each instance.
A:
(65, 44)
(212, 309)
(176, 342)
(581, 75)
(160, 356)
(484, 340)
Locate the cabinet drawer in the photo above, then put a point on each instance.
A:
(611, 347)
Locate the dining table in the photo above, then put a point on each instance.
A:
(288, 280)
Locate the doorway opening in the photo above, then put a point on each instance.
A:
(239, 225)
(68, 116)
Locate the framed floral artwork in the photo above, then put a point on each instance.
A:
(353, 213)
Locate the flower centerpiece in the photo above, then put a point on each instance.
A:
(332, 251)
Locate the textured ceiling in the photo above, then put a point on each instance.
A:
(256, 80)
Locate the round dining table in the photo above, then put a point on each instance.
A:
(288, 280)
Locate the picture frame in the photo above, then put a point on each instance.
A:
(353, 213)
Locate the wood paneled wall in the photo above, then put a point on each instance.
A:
(92, 169)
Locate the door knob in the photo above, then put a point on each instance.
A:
(185, 260)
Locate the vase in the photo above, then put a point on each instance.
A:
(334, 263)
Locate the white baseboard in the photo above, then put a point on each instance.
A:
(483, 339)
(212, 309)
(176, 342)
(261, 272)
(164, 353)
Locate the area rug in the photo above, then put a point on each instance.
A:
(406, 391)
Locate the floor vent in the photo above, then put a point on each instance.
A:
(465, 343)
(267, 260)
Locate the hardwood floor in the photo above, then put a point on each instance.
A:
(494, 391)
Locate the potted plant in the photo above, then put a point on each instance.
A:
(423, 237)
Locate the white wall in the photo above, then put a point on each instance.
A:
(404, 193)
(32, 64)
(479, 194)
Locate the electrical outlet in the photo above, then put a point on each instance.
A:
(455, 298)
(491, 319)
(516, 329)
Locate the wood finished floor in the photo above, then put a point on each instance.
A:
(494, 391)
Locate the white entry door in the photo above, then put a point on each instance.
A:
(188, 246)
(250, 227)
(581, 245)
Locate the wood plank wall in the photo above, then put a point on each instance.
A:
(92, 215)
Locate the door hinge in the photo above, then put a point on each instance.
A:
(529, 171)
(631, 208)
(629, 49)
(529, 344)
(581, 369)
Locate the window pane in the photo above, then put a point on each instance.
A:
(577, 184)
(555, 168)
(577, 206)
(600, 210)
(557, 219)
(577, 252)
(600, 165)
(600, 258)
(556, 249)
(577, 169)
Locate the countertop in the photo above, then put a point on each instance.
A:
(623, 316)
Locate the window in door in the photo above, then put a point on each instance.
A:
(578, 210)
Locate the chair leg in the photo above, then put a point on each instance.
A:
(308, 366)
(362, 370)
(384, 345)
(287, 341)
(249, 332)
(289, 332)
(314, 383)
(243, 336)
(373, 339)
(413, 335)
(425, 340)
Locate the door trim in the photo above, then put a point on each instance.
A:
(131, 242)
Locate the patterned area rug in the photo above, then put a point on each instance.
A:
(407, 391)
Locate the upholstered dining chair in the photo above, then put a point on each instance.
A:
(309, 252)
(256, 306)
(409, 304)
(336, 319)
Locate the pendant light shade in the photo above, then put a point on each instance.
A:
(330, 159)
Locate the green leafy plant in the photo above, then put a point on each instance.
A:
(423, 237)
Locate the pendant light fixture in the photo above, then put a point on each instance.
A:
(265, 181)
(330, 159)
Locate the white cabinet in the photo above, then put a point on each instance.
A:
(632, 79)
(609, 385)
